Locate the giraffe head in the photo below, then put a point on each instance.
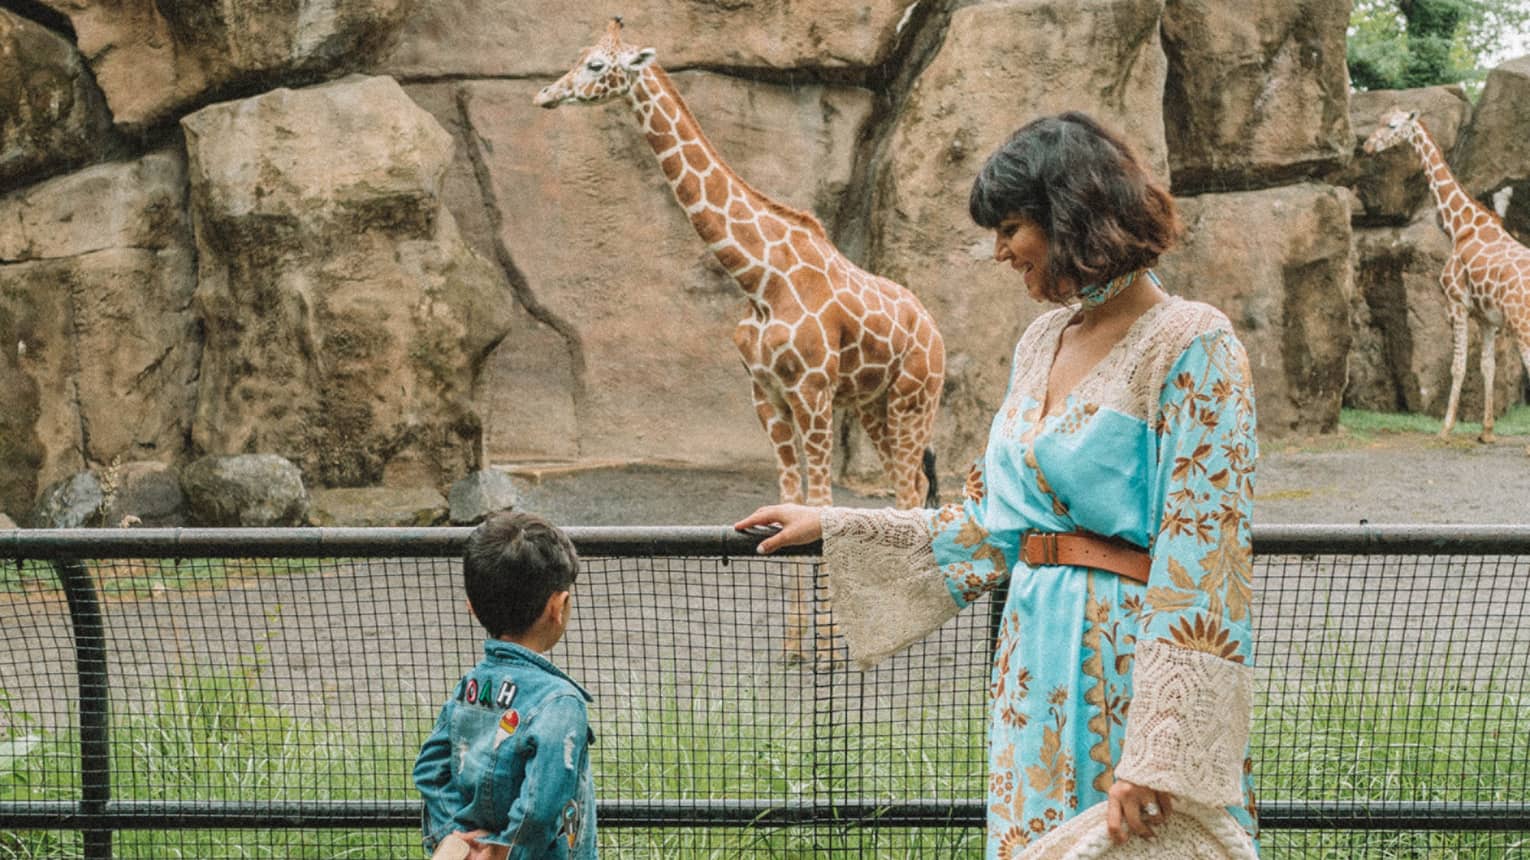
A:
(1395, 128)
(605, 70)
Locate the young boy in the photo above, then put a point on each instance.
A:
(506, 773)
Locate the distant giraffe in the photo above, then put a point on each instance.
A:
(820, 331)
(1487, 275)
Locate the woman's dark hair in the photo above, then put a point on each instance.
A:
(513, 563)
(1103, 214)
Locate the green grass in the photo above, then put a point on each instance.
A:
(215, 734)
(1363, 423)
(147, 577)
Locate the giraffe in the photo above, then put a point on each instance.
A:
(818, 332)
(1487, 275)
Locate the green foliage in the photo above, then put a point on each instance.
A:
(1402, 44)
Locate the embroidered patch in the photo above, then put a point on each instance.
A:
(570, 827)
(506, 695)
(509, 721)
(471, 695)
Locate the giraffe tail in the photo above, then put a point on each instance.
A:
(931, 498)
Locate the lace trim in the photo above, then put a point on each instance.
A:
(1130, 378)
(1188, 725)
(885, 586)
(1191, 832)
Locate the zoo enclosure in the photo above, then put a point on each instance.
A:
(263, 692)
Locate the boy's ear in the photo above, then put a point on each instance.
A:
(469, 605)
(557, 607)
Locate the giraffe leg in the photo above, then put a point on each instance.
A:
(774, 417)
(813, 416)
(1457, 366)
(911, 410)
(1489, 360)
(873, 418)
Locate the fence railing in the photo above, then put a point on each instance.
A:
(253, 692)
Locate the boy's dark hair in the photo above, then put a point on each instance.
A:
(513, 563)
(1103, 213)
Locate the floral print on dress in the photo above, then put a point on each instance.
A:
(1172, 472)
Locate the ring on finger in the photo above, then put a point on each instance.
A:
(1151, 809)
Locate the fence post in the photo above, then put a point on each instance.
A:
(90, 664)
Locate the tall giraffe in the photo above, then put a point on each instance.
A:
(1487, 275)
(819, 332)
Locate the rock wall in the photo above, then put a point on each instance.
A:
(337, 230)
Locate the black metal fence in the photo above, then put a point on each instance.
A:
(262, 693)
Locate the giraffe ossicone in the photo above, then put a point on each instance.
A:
(820, 332)
(1487, 275)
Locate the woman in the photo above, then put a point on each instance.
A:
(1116, 487)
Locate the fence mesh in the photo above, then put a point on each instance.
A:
(272, 707)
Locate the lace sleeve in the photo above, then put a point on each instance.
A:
(886, 589)
(1188, 725)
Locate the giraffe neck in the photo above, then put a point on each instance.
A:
(725, 211)
(1457, 208)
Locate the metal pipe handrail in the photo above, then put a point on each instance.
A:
(1476, 816)
(445, 542)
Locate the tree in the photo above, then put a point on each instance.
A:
(1399, 44)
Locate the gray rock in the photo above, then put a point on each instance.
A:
(1277, 262)
(344, 316)
(6, 522)
(1257, 94)
(148, 492)
(482, 493)
(245, 490)
(52, 116)
(74, 502)
(377, 506)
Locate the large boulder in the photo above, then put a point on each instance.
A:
(1495, 149)
(535, 38)
(250, 490)
(96, 280)
(144, 493)
(1257, 92)
(154, 58)
(1403, 339)
(373, 507)
(71, 503)
(1001, 64)
(631, 316)
(476, 496)
(1277, 262)
(344, 317)
(1391, 186)
(52, 115)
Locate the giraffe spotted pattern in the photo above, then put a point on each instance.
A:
(820, 332)
(1487, 275)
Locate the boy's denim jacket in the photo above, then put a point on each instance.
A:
(510, 754)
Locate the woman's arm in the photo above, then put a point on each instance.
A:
(1188, 724)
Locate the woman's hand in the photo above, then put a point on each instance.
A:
(1135, 809)
(799, 525)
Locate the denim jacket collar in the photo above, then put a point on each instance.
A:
(498, 649)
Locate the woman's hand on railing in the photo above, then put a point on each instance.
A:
(797, 524)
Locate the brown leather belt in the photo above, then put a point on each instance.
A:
(1086, 549)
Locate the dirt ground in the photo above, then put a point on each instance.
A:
(1386, 478)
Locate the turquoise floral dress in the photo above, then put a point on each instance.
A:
(1095, 677)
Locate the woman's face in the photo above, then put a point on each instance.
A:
(1022, 243)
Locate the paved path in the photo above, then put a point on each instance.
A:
(1401, 478)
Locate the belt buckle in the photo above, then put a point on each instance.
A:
(1045, 543)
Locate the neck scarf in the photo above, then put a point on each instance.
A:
(1095, 295)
